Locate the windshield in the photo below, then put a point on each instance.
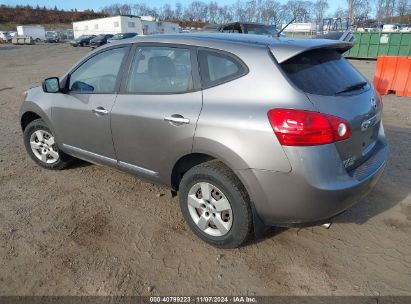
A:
(101, 36)
(260, 29)
(117, 36)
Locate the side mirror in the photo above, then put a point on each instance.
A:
(51, 85)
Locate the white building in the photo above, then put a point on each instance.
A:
(123, 24)
(300, 27)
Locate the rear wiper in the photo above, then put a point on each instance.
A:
(353, 87)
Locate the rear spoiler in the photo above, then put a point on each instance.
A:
(291, 48)
(347, 36)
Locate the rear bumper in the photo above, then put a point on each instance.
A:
(317, 188)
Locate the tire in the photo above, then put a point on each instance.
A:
(45, 151)
(224, 229)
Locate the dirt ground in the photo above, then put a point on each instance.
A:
(91, 230)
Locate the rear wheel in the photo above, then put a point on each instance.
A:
(42, 148)
(216, 205)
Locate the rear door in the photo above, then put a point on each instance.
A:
(335, 87)
(154, 118)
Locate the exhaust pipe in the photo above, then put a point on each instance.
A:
(326, 225)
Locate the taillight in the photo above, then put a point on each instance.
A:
(306, 128)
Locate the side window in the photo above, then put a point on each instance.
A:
(227, 29)
(99, 73)
(231, 29)
(160, 70)
(217, 68)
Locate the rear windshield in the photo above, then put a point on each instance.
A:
(322, 72)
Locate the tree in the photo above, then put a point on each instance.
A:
(196, 11)
(380, 10)
(271, 12)
(250, 10)
(178, 11)
(266, 11)
(212, 11)
(301, 10)
(166, 12)
(340, 13)
(238, 11)
(320, 7)
(403, 7)
(357, 9)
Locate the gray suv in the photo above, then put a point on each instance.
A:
(249, 131)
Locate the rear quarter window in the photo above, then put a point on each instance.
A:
(321, 72)
(218, 67)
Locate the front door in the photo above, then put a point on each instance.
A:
(81, 116)
(154, 118)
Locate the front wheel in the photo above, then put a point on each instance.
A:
(42, 148)
(216, 205)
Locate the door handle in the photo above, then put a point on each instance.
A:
(100, 111)
(177, 119)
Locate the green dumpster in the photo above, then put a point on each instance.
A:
(372, 45)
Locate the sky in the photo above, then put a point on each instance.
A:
(98, 4)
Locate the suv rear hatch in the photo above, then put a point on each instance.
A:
(336, 88)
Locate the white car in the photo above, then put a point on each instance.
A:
(4, 36)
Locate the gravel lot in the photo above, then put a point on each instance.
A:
(91, 230)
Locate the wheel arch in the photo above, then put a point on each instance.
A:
(184, 164)
(27, 118)
(188, 161)
(31, 111)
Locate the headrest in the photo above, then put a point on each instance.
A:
(160, 67)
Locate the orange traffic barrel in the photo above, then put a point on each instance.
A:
(393, 75)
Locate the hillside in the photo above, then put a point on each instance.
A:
(12, 16)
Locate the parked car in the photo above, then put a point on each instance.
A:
(69, 34)
(4, 36)
(121, 36)
(52, 36)
(100, 40)
(211, 28)
(83, 40)
(249, 130)
(243, 28)
(12, 33)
